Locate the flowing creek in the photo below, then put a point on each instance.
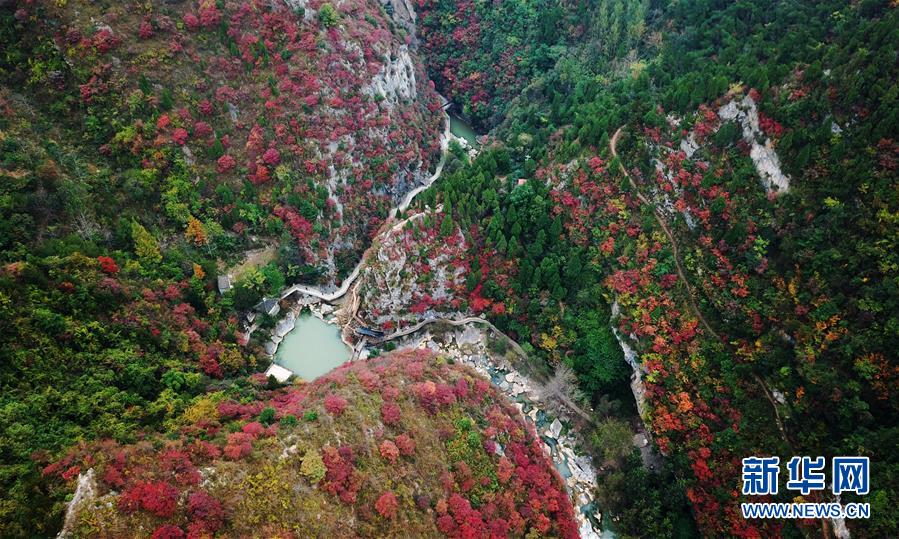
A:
(310, 345)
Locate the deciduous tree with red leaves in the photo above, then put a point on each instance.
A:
(108, 265)
(387, 505)
(156, 497)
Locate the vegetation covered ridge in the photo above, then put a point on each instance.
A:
(405, 444)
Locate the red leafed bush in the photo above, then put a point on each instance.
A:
(163, 121)
(254, 429)
(168, 531)
(210, 16)
(389, 451)
(204, 507)
(239, 445)
(105, 41)
(387, 505)
(146, 30)
(202, 129)
(505, 470)
(341, 479)
(271, 157)
(335, 405)
(405, 444)
(179, 136)
(108, 265)
(210, 365)
(191, 21)
(156, 497)
(224, 164)
(390, 413)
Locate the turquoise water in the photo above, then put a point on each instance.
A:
(312, 348)
(461, 129)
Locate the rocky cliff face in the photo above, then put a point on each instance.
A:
(322, 108)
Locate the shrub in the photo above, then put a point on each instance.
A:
(313, 467)
(387, 505)
(389, 451)
(405, 444)
(327, 15)
(203, 506)
(390, 413)
(267, 416)
(168, 531)
(108, 265)
(156, 497)
(335, 405)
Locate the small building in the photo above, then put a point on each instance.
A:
(280, 373)
(224, 283)
(522, 181)
(269, 306)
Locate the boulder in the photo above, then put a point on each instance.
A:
(555, 428)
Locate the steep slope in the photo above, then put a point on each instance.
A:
(144, 147)
(400, 445)
(252, 118)
(745, 231)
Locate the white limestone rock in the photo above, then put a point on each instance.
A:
(396, 80)
(85, 493)
(763, 156)
(555, 428)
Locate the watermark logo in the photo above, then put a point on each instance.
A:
(806, 475)
(851, 474)
(760, 475)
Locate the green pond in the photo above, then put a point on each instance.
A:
(312, 348)
(461, 129)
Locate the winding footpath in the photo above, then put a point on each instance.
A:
(613, 147)
(386, 228)
(691, 296)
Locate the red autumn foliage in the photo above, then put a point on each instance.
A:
(389, 451)
(108, 265)
(387, 505)
(341, 478)
(204, 507)
(271, 157)
(146, 30)
(179, 136)
(390, 413)
(168, 531)
(405, 444)
(156, 497)
(224, 164)
(239, 445)
(335, 405)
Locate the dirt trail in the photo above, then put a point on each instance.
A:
(387, 227)
(691, 295)
(613, 146)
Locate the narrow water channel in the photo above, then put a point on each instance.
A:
(312, 348)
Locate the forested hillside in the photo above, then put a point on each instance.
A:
(692, 205)
(746, 233)
(394, 446)
(143, 148)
